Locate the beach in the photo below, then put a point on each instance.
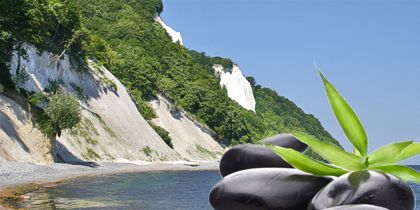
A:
(16, 179)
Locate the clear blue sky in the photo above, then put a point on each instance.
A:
(369, 49)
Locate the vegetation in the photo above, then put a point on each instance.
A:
(147, 151)
(91, 155)
(383, 159)
(138, 51)
(163, 134)
(63, 112)
(123, 36)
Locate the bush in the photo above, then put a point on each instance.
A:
(1, 88)
(64, 112)
(163, 134)
(147, 151)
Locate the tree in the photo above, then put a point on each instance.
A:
(63, 112)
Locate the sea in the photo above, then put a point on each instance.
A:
(163, 190)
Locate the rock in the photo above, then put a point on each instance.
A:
(286, 140)
(266, 188)
(25, 197)
(248, 156)
(357, 207)
(365, 187)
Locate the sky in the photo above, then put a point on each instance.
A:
(368, 49)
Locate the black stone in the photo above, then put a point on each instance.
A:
(266, 188)
(286, 140)
(246, 156)
(365, 187)
(357, 207)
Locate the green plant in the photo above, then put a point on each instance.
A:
(63, 112)
(383, 159)
(147, 151)
(163, 134)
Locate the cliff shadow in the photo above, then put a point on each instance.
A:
(63, 155)
(7, 125)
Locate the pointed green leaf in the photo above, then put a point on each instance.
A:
(348, 120)
(388, 154)
(332, 153)
(405, 173)
(303, 163)
(410, 151)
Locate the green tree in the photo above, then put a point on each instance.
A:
(63, 112)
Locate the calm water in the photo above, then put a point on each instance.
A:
(166, 190)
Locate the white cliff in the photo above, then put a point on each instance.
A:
(175, 35)
(238, 87)
(112, 129)
(20, 140)
(190, 139)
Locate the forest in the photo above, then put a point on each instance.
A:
(123, 36)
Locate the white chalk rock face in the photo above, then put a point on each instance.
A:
(190, 139)
(238, 87)
(112, 129)
(175, 35)
(20, 140)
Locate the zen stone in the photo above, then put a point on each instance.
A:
(286, 140)
(248, 156)
(266, 188)
(357, 207)
(365, 187)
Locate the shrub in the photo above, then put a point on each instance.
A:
(163, 134)
(147, 151)
(63, 111)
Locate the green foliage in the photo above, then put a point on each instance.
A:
(123, 36)
(1, 88)
(63, 111)
(91, 154)
(301, 162)
(348, 120)
(382, 159)
(145, 109)
(163, 134)
(147, 151)
(48, 24)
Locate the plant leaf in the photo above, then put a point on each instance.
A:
(409, 152)
(348, 120)
(405, 173)
(332, 153)
(388, 154)
(303, 163)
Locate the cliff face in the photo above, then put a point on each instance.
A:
(112, 128)
(175, 35)
(237, 86)
(19, 139)
(191, 140)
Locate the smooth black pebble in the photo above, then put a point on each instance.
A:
(266, 188)
(286, 140)
(365, 187)
(247, 156)
(357, 207)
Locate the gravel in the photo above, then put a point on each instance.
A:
(14, 173)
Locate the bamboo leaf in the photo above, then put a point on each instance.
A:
(332, 153)
(388, 154)
(405, 173)
(303, 163)
(348, 120)
(409, 152)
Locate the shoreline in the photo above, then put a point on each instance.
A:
(18, 179)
